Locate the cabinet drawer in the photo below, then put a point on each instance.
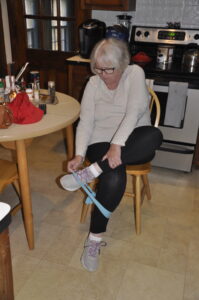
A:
(109, 4)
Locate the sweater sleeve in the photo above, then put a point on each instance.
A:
(137, 104)
(86, 122)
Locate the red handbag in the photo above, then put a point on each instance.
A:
(24, 112)
(6, 116)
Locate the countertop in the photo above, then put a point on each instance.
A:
(162, 76)
(77, 59)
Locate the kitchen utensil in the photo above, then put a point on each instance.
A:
(165, 54)
(190, 60)
(119, 32)
(124, 20)
(141, 57)
(90, 32)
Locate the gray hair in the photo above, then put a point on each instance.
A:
(112, 53)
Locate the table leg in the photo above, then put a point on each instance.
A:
(70, 142)
(25, 191)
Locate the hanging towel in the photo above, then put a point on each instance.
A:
(176, 103)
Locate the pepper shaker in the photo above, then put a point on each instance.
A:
(51, 90)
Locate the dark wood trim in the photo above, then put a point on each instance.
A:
(3, 69)
(122, 5)
(17, 32)
(51, 64)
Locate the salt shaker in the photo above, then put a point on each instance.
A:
(51, 90)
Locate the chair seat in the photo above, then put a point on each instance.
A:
(138, 169)
(8, 173)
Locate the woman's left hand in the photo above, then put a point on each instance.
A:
(113, 155)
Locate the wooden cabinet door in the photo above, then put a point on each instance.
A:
(108, 4)
(78, 76)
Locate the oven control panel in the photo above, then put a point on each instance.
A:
(166, 35)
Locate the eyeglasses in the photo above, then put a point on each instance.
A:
(105, 70)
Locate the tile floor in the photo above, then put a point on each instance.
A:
(160, 264)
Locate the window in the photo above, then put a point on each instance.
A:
(50, 24)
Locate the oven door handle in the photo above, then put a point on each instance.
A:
(181, 150)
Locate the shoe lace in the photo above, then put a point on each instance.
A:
(94, 247)
(85, 175)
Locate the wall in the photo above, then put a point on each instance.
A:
(157, 13)
(6, 31)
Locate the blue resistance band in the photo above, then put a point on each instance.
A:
(91, 197)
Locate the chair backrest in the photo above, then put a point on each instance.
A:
(154, 101)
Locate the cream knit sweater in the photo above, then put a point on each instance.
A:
(111, 115)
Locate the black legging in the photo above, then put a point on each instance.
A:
(139, 148)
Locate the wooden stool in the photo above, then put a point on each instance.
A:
(140, 186)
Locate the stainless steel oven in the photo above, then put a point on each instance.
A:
(169, 78)
(179, 143)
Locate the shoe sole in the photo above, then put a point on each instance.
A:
(84, 266)
(69, 189)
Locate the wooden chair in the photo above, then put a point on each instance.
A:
(9, 175)
(140, 183)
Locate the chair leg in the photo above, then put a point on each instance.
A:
(138, 204)
(18, 206)
(84, 213)
(146, 186)
(16, 186)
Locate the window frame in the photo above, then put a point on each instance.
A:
(41, 16)
(52, 65)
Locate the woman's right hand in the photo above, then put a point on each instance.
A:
(75, 163)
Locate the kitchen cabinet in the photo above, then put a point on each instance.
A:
(122, 5)
(78, 71)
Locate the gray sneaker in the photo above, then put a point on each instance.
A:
(90, 255)
(69, 183)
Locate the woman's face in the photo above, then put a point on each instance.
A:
(109, 75)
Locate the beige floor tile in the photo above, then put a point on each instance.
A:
(49, 281)
(22, 266)
(65, 245)
(191, 291)
(181, 197)
(153, 229)
(178, 237)
(184, 218)
(160, 264)
(191, 287)
(143, 282)
(172, 259)
(44, 235)
(129, 251)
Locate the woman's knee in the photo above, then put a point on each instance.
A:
(157, 137)
(114, 178)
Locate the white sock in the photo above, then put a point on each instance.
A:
(96, 172)
(94, 237)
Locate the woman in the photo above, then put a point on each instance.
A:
(114, 130)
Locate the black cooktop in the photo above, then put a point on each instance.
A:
(163, 73)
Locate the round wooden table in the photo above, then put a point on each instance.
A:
(58, 116)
